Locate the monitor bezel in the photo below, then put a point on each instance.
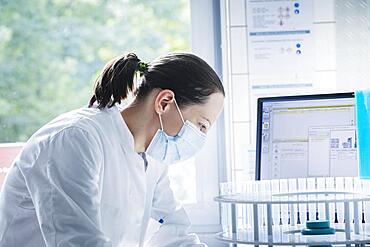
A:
(262, 100)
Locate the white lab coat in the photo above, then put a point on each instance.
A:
(79, 182)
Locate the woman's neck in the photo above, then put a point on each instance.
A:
(141, 123)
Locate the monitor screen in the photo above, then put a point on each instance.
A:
(306, 136)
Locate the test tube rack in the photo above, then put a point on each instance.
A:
(273, 212)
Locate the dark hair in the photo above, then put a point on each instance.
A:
(190, 78)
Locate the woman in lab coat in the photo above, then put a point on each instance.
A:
(96, 175)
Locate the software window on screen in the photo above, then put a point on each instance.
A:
(310, 138)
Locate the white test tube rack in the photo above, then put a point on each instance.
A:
(258, 199)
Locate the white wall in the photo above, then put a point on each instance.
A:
(341, 44)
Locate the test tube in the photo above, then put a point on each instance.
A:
(294, 208)
(263, 187)
(256, 187)
(241, 223)
(366, 189)
(302, 212)
(225, 209)
(329, 186)
(348, 184)
(348, 187)
(285, 219)
(275, 207)
(242, 217)
(311, 187)
(249, 207)
(234, 214)
(321, 206)
(339, 187)
(245, 208)
(358, 189)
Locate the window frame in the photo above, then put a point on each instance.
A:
(210, 163)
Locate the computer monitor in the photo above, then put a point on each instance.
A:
(306, 136)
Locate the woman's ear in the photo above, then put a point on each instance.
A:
(163, 99)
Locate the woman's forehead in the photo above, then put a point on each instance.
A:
(208, 110)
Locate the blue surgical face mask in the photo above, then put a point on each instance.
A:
(172, 149)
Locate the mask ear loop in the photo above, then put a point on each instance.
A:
(178, 108)
(160, 121)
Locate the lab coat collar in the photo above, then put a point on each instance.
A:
(124, 134)
(127, 139)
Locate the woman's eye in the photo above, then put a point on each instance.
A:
(203, 127)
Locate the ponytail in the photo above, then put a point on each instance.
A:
(115, 82)
(188, 76)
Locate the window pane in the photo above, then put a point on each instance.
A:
(51, 52)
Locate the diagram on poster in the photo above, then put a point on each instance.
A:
(280, 37)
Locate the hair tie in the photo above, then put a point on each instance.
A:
(142, 67)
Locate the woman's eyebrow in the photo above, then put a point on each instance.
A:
(207, 120)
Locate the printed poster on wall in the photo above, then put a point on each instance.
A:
(280, 37)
